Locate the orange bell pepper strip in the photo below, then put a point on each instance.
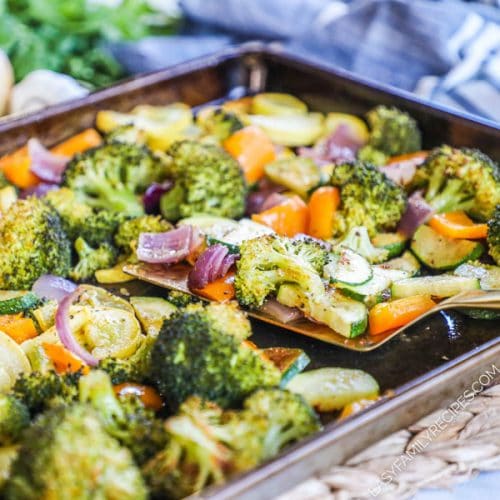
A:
(415, 158)
(17, 327)
(322, 206)
(78, 143)
(390, 315)
(64, 360)
(221, 290)
(253, 149)
(148, 395)
(287, 219)
(458, 225)
(16, 166)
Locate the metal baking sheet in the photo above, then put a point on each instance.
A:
(425, 367)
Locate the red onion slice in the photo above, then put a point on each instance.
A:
(273, 200)
(417, 212)
(400, 173)
(208, 267)
(165, 248)
(280, 312)
(53, 287)
(46, 165)
(63, 328)
(228, 262)
(151, 198)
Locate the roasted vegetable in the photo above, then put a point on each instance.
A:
(91, 259)
(392, 132)
(493, 237)
(195, 353)
(32, 243)
(368, 198)
(112, 176)
(207, 181)
(460, 179)
(14, 418)
(58, 460)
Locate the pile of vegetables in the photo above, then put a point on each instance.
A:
(173, 397)
(69, 37)
(262, 204)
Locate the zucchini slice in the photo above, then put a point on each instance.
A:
(329, 389)
(407, 262)
(437, 286)
(151, 312)
(290, 362)
(375, 290)
(276, 103)
(442, 253)
(13, 362)
(342, 314)
(394, 243)
(16, 302)
(348, 268)
(45, 316)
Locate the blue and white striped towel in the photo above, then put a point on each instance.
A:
(447, 51)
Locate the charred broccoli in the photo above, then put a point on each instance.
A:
(91, 259)
(126, 419)
(368, 198)
(207, 445)
(207, 180)
(460, 179)
(219, 122)
(357, 239)
(67, 453)
(392, 132)
(32, 243)
(80, 220)
(194, 354)
(14, 418)
(128, 232)
(38, 390)
(269, 261)
(493, 238)
(181, 299)
(112, 176)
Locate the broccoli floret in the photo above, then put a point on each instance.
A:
(207, 445)
(269, 261)
(194, 354)
(289, 418)
(14, 418)
(460, 179)
(126, 419)
(368, 198)
(493, 238)
(38, 391)
(80, 220)
(182, 299)
(112, 176)
(135, 368)
(219, 122)
(357, 239)
(207, 180)
(91, 259)
(193, 457)
(67, 453)
(32, 243)
(392, 132)
(128, 233)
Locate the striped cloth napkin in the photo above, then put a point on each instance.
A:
(446, 51)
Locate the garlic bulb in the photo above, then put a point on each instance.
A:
(6, 81)
(42, 88)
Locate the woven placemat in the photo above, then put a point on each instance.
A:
(444, 448)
